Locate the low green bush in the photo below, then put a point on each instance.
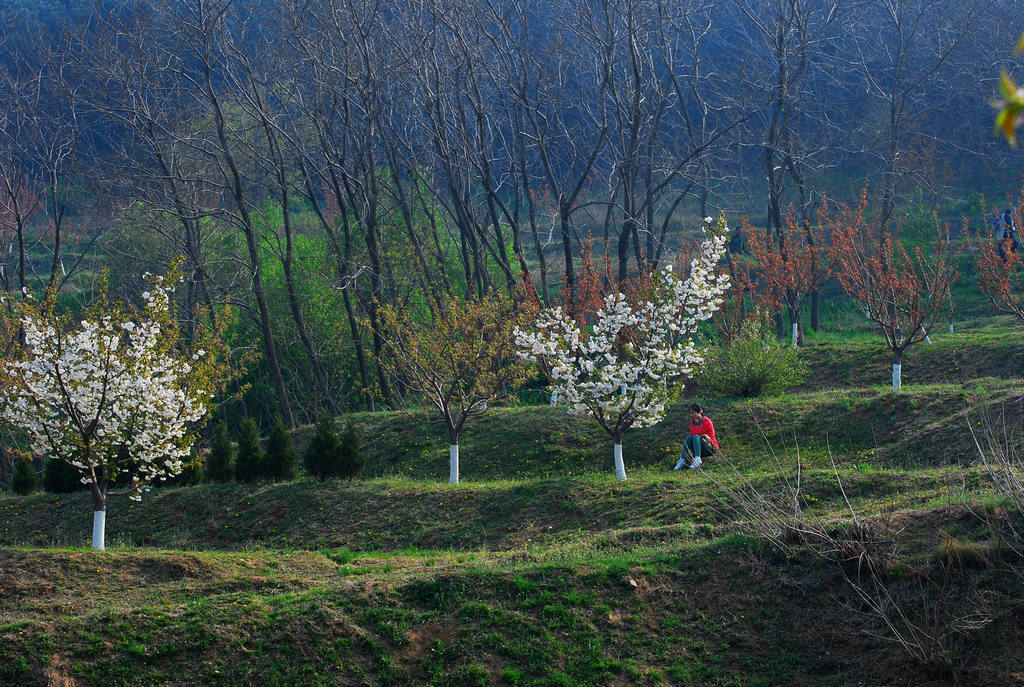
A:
(220, 461)
(249, 460)
(280, 461)
(322, 456)
(61, 478)
(351, 459)
(24, 480)
(754, 363)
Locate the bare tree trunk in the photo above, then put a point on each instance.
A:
(249, 230)
(816, 310)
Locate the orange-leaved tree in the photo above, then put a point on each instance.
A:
(902, 291)
(792, 263)
(1001, 270)
(743, 308)
(590, 286)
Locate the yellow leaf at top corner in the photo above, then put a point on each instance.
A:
(1001, 127)
(1006, 122)
(1007, 88)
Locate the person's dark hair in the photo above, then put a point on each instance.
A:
(695, 407)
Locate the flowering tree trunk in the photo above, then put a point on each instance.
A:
(620, 465)
(99, 518)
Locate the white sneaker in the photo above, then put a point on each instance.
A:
(680, 464)
(696, 463)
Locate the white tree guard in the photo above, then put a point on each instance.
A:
(620, 466)
(453, 463)
(99, 525)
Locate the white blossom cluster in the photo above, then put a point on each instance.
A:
(624, 369)
(105, 393)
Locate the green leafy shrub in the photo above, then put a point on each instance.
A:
(61, 478)
(249, 461)
(754, 363)
(323, 455)
(281, 460)
(220, 461)
(351, 459)
(24, 480)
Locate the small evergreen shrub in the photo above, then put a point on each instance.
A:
(249, 461)
(281, 460)
(322, 457)
(61, 478)
(24, 480)
(351, 459)
(220, 460)
(754, 363)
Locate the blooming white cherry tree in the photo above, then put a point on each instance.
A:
(112, 397)
(625, 369)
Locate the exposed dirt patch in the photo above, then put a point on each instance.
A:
(421, 637)
(58, 673)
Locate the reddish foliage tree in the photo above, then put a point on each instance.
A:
(902, 292)
(792, 264)
(18, 202)
(743, 305)
(1001, 270)
(586, 296)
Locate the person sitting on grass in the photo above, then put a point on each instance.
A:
(701, 442)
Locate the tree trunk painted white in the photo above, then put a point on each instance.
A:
(951, 326)
(796, 332)
(927, 339)
(453, 464)
(554, 398)
(620, 467)
(896, 373)
(99, 525)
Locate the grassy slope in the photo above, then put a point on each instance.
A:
(540, 568)
(950, 358)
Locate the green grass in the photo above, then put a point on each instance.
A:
(717, 610)
(541, 569)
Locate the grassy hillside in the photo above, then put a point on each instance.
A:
(719, 611)
(950, 358)
(876, 552)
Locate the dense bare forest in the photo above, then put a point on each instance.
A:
(314, 161)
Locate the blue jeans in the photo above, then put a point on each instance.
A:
(696, 446)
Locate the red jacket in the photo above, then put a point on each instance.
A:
(705, 427)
